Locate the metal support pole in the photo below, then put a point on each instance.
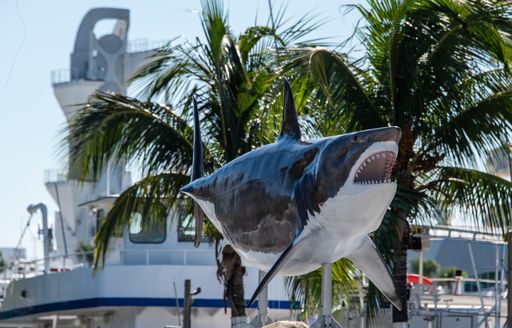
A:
(46, 236)
(509, 278)
(262, 301)
(55, 321)
(326, 290)
(262, 318)
(421, 267)
(177, 302)
(497, 288)
(502, 277)
(325, 320)
(476, 276)
(420, 282)
(509, 254)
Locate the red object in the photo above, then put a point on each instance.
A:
(413, 278)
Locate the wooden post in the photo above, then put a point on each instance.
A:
(187, 304)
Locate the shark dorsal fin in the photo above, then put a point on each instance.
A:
(290, 127)
(197, 157)
(197, 172)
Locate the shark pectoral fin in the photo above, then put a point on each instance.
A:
(274, 270)
(368, 259)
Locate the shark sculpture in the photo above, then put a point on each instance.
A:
(293, 205)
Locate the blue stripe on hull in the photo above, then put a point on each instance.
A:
(121, 301)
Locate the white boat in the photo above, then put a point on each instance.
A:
(142, 282)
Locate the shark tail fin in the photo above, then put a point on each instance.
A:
(274, 270)
(290, 126)
(197, 172)
(368, 259)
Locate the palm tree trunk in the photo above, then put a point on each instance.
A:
(231, 271)
(235, 288)
(400, 271)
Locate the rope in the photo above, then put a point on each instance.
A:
(16, 250)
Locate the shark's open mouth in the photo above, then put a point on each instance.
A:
(376, 168)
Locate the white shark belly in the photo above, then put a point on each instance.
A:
(338, 229)
(334, 233)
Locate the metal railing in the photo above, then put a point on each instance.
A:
(59, 76)
(458, 233)
(446, 295)
(52, 176)
(167, 257)
(60, 263)
(23, 269)
(142, 45)
(63, 75)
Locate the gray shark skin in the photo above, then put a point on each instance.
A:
(293, 205)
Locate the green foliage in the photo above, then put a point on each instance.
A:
(450, 272)
(430, 267)
(2, 262)
(306, 289)
(236, 82)
(85, 252)
(439, 70)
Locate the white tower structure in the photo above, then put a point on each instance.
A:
(97, 62)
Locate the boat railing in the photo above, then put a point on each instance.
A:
(452, 286)
(464, 233)
(58, 263)
(143, 45)
(62, 263)
(53, 176)
(56, 176)
(447, 294)
(167, 257)
(63, 75)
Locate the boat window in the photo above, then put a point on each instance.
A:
(147, 233)
(187, 228)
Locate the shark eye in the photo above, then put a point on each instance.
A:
(357, 139)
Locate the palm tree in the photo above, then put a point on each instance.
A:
(235, 82)
(440, 70)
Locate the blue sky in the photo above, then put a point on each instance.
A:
(38, 36)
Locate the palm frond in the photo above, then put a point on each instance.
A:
(484, 199)
(152, 197)
(252, 36)
(214, 20)
(293, 30)
(117, 127)
(483, 125)
(344, 89)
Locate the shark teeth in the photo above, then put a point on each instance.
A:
(376, 169)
